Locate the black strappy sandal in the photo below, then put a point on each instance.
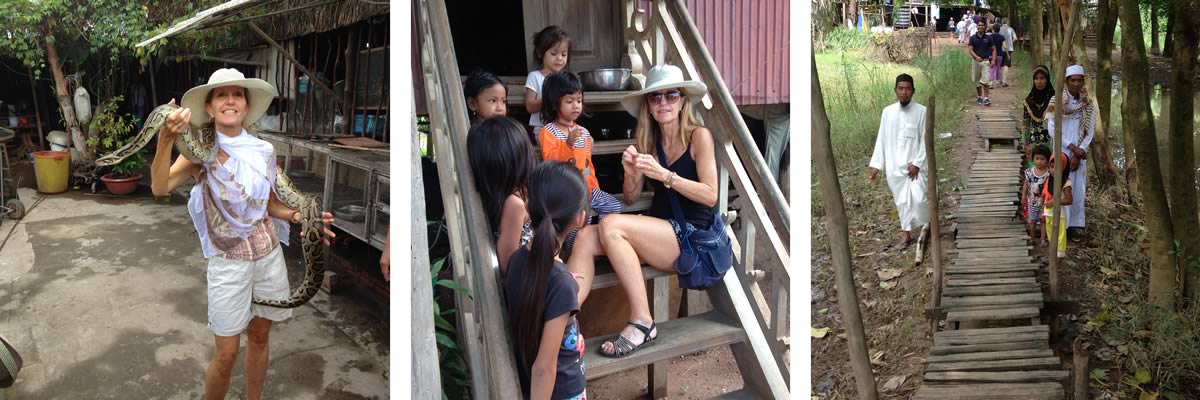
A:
(623, 347)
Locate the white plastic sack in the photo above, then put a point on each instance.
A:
(83, 105)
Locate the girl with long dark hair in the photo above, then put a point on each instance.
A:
(502, 160)
(542, 293)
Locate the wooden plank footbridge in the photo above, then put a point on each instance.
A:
(992, 278)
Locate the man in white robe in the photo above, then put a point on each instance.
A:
(1078, 129)
(900, 154)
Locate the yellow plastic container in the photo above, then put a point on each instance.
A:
(53, 168)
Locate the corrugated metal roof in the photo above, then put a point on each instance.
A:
(749, 42)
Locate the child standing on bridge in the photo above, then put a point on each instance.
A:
(1031, 191)
(1048, 196)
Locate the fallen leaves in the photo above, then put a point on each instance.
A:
(894, 383)
(889, 274)
(819, 332)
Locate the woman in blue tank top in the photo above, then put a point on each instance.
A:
(666, 125)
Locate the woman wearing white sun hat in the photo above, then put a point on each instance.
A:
(238, 217)
(668, 128)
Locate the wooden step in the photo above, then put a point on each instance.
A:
(992, 355)
(940, 349)
(675, 338)
(991, 391)
(987, 336)
(992, 290)
(1020, 364)
(997, 377)
(992, 331)
(605, 277)
(1032, 299)
(989, 282)
(993, 314)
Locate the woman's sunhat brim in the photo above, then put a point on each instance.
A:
(260, 94)
(660, 78)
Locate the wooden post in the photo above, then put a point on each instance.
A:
(1058, 164)
(1080, 369)
(426, 379)
(839, 242)
(656, 374)
(935, 228)
(37, 110)
(254, 27)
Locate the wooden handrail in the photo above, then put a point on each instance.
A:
(481, 319)
(777, 207)
(722, 116)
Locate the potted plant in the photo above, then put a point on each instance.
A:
(125, 176)
(109, 131)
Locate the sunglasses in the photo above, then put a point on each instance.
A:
(671, 97)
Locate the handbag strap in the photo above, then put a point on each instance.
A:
(676, 208)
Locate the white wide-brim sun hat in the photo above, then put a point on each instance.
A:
(661, 77)
(260, 94)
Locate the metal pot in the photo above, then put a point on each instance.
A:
(352, 213)
(608, 79)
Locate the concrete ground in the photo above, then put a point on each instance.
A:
(104, 297)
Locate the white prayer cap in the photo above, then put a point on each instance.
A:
(1074, 70)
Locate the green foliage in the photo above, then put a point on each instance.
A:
(450, 358)
(1163, 347)
(110, 131)
(842, 38)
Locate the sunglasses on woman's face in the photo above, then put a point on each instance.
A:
(671, 97)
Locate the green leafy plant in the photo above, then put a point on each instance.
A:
(450, 358)
(111, 131)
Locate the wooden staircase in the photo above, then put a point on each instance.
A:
(993, 278)
(742, 317)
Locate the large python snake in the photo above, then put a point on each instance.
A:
(196, 144)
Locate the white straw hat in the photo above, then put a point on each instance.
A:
(663, 77)
(259, 93)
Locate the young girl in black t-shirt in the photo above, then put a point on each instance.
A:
(542, 293)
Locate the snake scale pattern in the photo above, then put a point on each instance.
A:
(197, 144)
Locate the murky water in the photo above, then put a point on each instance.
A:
(1160, 104)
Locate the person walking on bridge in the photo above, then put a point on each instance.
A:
(983, 50)
(900, 153)
(1078, 127)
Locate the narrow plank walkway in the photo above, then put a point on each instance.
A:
(993, 277)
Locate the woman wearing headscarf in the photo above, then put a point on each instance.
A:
(1040, 96)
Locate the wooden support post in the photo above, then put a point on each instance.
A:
(656, 374)
(254, 27)
(426, 379)
(37, 111)
(935, 229)
(839, 242)
(1052, 250)
(1080, 369)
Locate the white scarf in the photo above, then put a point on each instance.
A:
(240, 188)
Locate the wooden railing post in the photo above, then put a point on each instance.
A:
(935, 228)
(482, 321)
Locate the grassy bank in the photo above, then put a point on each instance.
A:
(857, 90)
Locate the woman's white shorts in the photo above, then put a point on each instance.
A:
(233, 283)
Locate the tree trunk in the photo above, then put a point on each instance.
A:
(839, 243)
(1154, 49)
(1169, 42)
(854, 12)
(1183, 171)
(65, 103)
(1107, 20)
(1036, 35)
(1137, 122)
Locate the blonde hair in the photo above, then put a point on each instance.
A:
(648, 130)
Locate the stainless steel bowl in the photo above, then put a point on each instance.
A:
(609, 79)
(351, 213)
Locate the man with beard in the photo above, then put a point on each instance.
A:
(1078, 128)
(900, 154)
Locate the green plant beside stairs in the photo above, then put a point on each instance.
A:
(450, 358)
